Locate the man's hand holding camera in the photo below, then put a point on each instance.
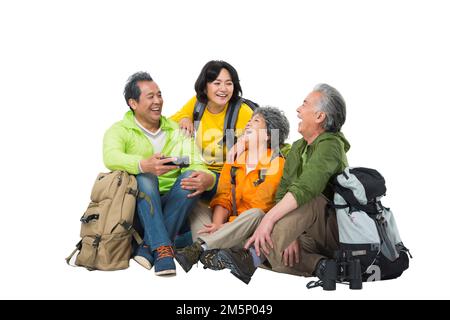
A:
(157, 165)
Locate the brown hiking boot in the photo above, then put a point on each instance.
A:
(239, 261)
(188, 256)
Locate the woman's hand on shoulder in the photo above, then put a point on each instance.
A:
(187, 126)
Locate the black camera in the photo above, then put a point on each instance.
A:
(182, 162)
(344, 268)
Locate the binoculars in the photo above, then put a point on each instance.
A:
(344, 268)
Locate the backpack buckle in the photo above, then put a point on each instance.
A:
(134, 192)
(96, 242)
(89, 218)
(127, 226)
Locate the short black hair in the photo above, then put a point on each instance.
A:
(132, 90)
(209, 73)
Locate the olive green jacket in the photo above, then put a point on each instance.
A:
(307, 176)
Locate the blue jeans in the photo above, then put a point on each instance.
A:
(185, 238)
(168, 212)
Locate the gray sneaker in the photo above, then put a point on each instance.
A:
(210, 260)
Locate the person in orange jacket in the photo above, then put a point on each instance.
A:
(246, 190)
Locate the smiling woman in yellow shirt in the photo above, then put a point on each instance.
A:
(218, 88)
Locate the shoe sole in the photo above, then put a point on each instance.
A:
(166, 272)
(143, 262)
(243, 279)
(229, 263)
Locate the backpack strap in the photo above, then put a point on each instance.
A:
(141, 195)
(250, 103)
(129, 227)
(230, 119)
(331, 204)
(199, 109)
(77, 248)
(262, 173)
(90, 265)
(229, 125)
(233, 189)
(261, 177)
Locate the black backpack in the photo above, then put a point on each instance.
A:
(230, 119)
(367, 229)
(370, 247)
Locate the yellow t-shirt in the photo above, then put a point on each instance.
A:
(210, 131)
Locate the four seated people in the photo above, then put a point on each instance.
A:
(268, 210)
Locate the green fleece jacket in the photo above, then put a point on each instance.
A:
(124, 145)
(324, 158)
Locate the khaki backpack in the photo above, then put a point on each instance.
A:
(107, 224)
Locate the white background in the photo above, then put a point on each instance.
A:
(63, 67)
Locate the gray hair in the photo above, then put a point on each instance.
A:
(333, 104)
(275, 120)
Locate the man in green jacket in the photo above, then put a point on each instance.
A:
(299, 232)
(138, 144)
